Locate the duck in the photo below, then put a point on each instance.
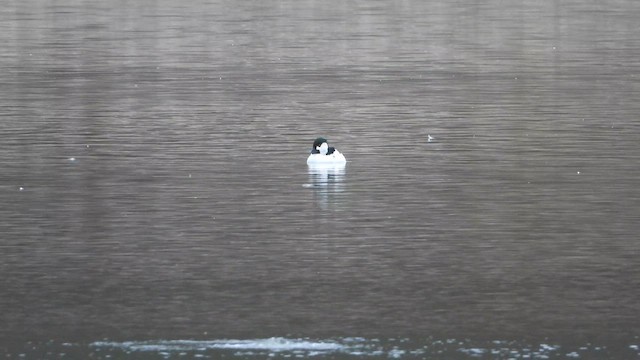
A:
(322, 153)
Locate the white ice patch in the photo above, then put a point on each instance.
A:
(546, 347)
(475, 352)
(273, 345)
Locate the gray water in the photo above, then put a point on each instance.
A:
(153, 181)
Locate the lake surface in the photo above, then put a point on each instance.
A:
(154, 185)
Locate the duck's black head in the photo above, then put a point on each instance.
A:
(317, 142)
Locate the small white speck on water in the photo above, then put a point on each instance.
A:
(578, 172)
(20, 188)
(72, 159)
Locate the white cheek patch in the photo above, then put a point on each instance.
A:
(323, 148)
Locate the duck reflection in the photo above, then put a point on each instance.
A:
(327, 181)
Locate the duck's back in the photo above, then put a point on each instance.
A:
(333, 157)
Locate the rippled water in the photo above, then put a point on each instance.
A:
(154, 184)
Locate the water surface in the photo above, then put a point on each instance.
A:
(154, 183)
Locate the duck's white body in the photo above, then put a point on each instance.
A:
(335, 158)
